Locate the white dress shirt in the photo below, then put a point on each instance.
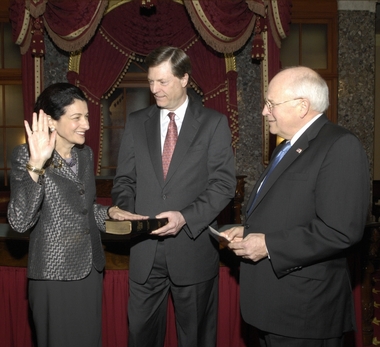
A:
(179, 116)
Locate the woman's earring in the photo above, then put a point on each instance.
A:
(52, 129)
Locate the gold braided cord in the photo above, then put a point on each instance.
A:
(203, 17)
(277, 19)
(24, 28)
(74, 61)
(216, 40)
(37, 76)
(230, 62)
(112, 4)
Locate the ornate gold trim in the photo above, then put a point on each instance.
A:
(205, 20)
(112, 4)
(37, 77)
(230, 62)
(74, 61)
(24, 27)
(277, 19)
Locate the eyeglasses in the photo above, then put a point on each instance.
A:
(271, 105)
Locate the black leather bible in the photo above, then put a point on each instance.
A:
(126, 227)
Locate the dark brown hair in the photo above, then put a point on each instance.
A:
(178, 59)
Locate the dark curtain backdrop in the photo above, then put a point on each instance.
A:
(210, 32)
(109, 53)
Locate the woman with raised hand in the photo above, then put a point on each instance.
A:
(53, 196)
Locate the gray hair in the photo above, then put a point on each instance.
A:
(308, 84)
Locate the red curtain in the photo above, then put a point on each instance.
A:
(15, 330)
(15, 323)
(70, 23)
(209, 31)
(110, 53)
(225, 25)
(115, 304)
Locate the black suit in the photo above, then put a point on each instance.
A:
(200, 183)
(312, 207)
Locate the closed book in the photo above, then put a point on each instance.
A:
(125, 227)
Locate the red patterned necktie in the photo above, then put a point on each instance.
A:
(169, 145)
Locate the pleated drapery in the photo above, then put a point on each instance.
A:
(103, 36)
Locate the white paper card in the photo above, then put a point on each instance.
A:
(217, 233)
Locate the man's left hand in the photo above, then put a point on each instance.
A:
(251, 247)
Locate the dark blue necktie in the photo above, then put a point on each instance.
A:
(273, 164)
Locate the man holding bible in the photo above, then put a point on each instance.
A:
(175, 162)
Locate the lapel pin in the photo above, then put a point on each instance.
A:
(299, 150)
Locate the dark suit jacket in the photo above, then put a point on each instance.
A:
(312, 207)
(61, 214)
(200, 183)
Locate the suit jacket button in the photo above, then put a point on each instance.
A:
(164, 197)
(84, 211)
(81, 191)
(246, 226)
